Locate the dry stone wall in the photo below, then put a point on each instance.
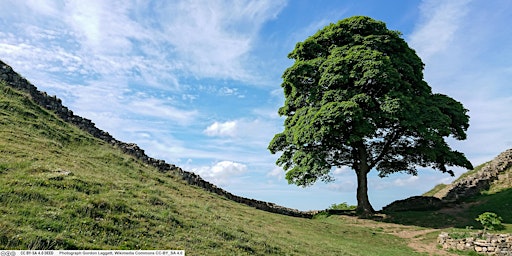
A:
(54, 104)
(489, 244)
(415, 203)
(479, 181)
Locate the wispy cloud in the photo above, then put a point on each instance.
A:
(467, 57)
(345, 180)
(158, 108)
(98, 55)
(182, 38)
(213, 38)
(438, 25)
(179, 77)
(276, 172)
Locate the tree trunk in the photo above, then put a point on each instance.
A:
(364, 208)
(362, 168)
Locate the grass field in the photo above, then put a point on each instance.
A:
(60, 188)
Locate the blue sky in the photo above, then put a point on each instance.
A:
(197, 83)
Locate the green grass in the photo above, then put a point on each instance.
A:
(499, 203)
(471, 172)
(60, 188)
(459, 222)
(434, 190)
(440, 187)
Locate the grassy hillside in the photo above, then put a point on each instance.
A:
(440, 187)
(497, 199)
(60, 188)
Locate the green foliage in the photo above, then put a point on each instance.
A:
(462, 234)
(490, 221)
(355, 96)
(321, 215)
(342, 206)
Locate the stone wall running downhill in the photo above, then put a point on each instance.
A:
(54, 104)
(481, 180)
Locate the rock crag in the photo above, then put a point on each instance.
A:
(491, 173)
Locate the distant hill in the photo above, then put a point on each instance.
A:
(64, 184)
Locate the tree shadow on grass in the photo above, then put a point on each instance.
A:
(455, 215)
(428, 219)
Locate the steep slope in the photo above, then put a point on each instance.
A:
(64, 188)
(54, 104)
(493, 176)
(486, 188)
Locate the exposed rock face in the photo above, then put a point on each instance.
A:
(54, 104)
(490, 173)
(497, 172)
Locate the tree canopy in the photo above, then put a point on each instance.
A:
(355, 96)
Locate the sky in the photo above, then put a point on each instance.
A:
(197, 83)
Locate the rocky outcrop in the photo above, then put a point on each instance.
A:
(479, 181)
(54, 104)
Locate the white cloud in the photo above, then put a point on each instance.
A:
(228, 129)
(277, 173)
(345, 180)
(228, 91)
(409, 181)
(117, 38)
(107, 27)
(342, 170)
(214, 37)
(242, 138)
(154, 107)
(221, 173)
(441, 20)
(346, 185)
(97, 55)
(467, 56)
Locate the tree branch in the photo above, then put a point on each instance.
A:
(394, 136)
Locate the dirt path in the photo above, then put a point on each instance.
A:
(416, 237)
(417, 242)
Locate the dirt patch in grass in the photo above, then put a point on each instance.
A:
(422, 240)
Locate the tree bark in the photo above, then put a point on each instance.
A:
(364, 208)
(362, 168)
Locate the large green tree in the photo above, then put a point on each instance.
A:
(356, 97)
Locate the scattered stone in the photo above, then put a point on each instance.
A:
(489, 244)
(479, 181)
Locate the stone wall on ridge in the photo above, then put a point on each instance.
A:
(54, 104)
